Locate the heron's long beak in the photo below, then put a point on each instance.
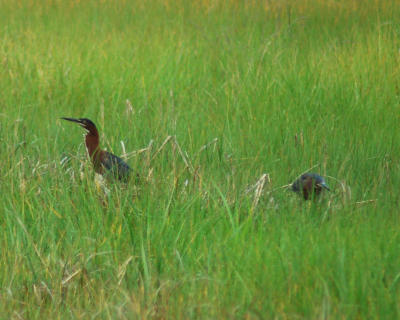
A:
(77, 121)
(325, 186)
(73, 120)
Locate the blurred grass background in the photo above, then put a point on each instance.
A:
(244, 88)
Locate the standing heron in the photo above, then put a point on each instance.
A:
(103, 162)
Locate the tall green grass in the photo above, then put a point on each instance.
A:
(243, 89)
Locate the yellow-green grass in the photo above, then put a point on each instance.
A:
(243, 88)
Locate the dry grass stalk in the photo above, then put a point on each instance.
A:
(137, 152)
(65, 281)
(149, 174)
(185, 158)
(259, 186)
(361, 203)
(161, 147)
(122, 270)
(212, 142)
(123, 150)
(42, 292)
(101, 184)
(299, 140)
(346, 190)
(129, 108)
(281, 187)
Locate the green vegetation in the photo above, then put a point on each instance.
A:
(243, 88)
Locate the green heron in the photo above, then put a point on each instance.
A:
(309, 184)
(103, 161)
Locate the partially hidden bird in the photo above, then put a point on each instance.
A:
(103, 162)
(309, 185)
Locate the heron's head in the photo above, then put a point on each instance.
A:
(84, 123)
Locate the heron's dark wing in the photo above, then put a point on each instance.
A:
(116, 166)
(297, 185)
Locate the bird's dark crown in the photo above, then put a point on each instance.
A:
(86, 122)
(315, 176)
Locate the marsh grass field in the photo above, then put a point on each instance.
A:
(218, 105)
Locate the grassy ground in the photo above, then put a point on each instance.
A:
(243, 88)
